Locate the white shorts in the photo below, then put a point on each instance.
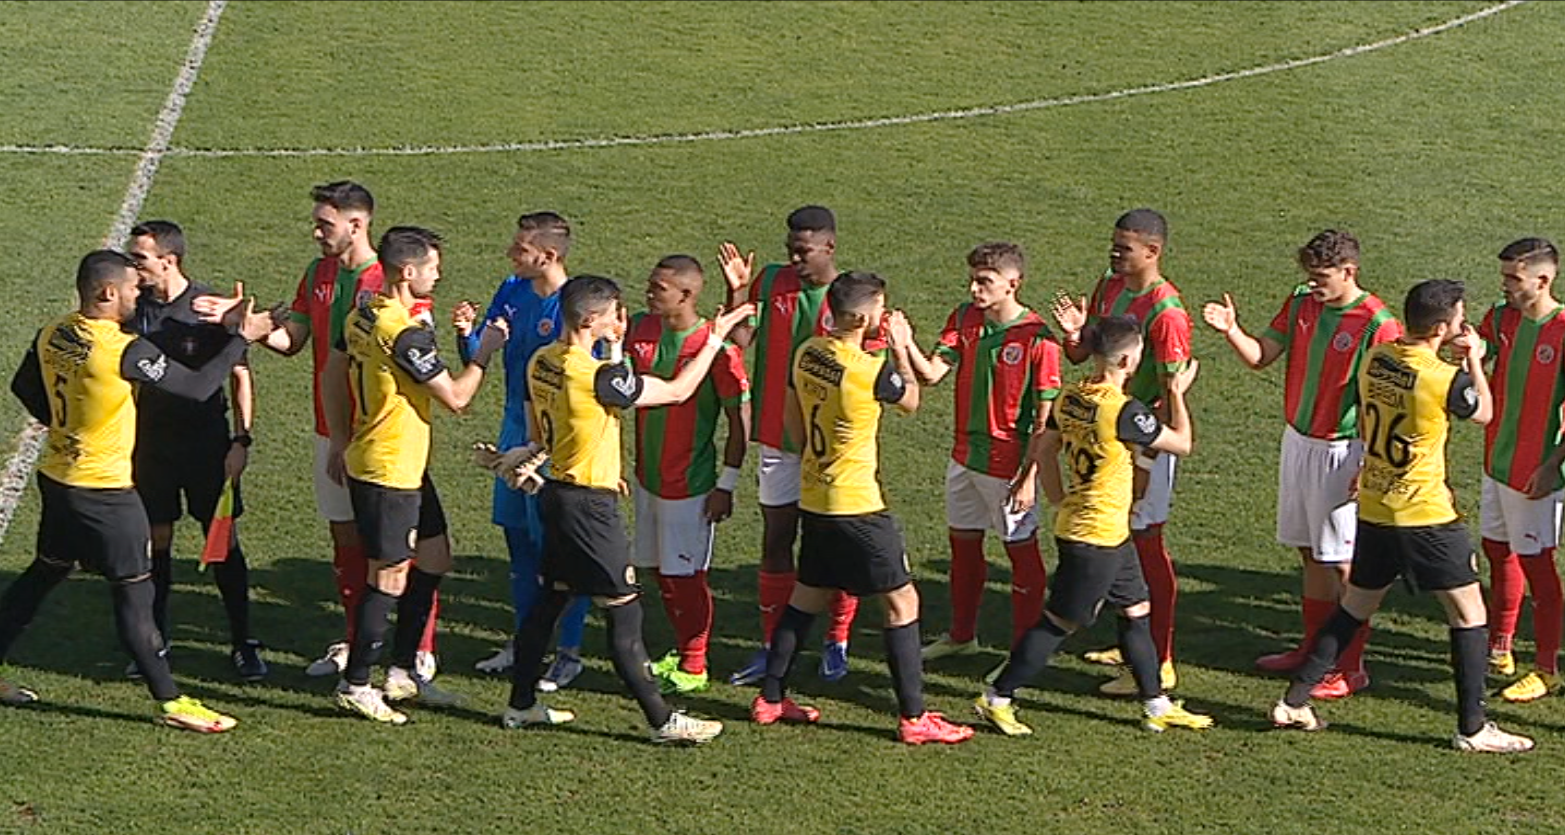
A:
(779, 477)
(978, 501)
(1153, 507)
(672, 535)
(1315, 506)
(331, 498)
(1527, 525)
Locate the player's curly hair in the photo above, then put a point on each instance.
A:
(1331, 248)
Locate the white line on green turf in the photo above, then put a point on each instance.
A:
(789, 130)
(29, 442)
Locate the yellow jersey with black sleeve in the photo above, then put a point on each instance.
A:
(1407, 397)
(78, 379)
(390, 358)
(574, 404)
(840, 388)
(1099, 424)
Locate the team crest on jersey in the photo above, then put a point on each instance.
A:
(1012, 354)
(1342, 341)
(1545, 354)
(545, 326)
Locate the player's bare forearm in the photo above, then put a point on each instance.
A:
(738, 434)
(1049, 468)
(289, 339)
(930, 370)
(793, 421)
(1178, 436)
(335, 404)
(910, 394)
(456, 392)
(1485, 412)
(242, 391)
(1255, 353)
(656, 391)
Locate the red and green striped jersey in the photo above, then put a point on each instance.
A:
(788, 311)
(676, 457)
(1324, 347)
(1004, 371)
(326, 293)
(1529, 390)
(1165, 327)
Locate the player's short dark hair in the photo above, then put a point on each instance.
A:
(1113, 335)
(998, 255)
(1146, 222)
(584, 295)
(853, 292)
(681, 264)
(165, 233)
(812, 219)
(548, 230)
(100, 267)
(1431, 302)
(344, 196)
(402, 245)
(1531, 251)
(1331, 248)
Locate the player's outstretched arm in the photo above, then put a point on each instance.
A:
(415, 352)
(930, 369)
(655, 391)
(1177, 436)
(1223, 317)
(1470, 397)
(292, 330)
(144, 362)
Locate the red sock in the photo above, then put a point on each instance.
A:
(351, 570)
(426, 642)
(776, 588)
(1316, 613)
(688, 601)
(968, 573)
(1507, 585)
(843, 607)
(1158, 569)
(1544, 582)
(1352, 658)
(1028, 579)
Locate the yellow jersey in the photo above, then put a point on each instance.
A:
(1098, 425)
(1406, 395)
(840, 388)
(573, 406)
(390, 358)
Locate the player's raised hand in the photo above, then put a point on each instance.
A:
(212, 309)
(726, 320)
(899, 329)
(250, 323)
(1469, 343)
(463, 316)
(1070, 313)
(737, 270)
(1222, 316)
(1184, 378)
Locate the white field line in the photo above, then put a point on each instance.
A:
(788, 130)
(19, 468)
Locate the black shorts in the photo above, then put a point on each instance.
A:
(391, 521)
(862, 555)
(1433, 557)
(104, 531)
(194, 470)
(1089, 576)
(584, 544)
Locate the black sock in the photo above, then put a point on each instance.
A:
(19, 605)
(369, 634)
(1135, 641)
(631, 661)
(412, 616)
(789, 634)
(233, 584)
(1330, 641)
(1470, 662)
(140, 637)
(1030, 655)
(162, 584)
(531, 642)
(904, 657)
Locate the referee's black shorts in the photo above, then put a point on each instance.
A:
(862, 555)
(104, 531)
(1434, 557)
(584, 544)
(1089, 576)
(391, 521)
(175, 475)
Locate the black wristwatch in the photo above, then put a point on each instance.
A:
(243, 440)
